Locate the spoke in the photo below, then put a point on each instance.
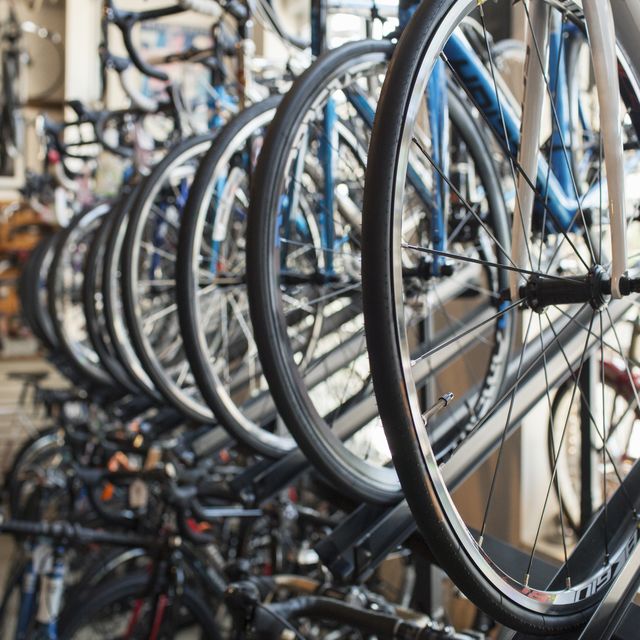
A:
(153, 249)
(208, 289)
(453, 320)
(624, 358)
(155, 209)
(157, 283)
(184, 372)
(505, 147)
(333, 294)
(308, 245)
(606, 343)
(464, 201)
(506, 394)
(158, 315)
(511, 154)
(559, 451)
(553, 448)
(238, 312)
(325, 356)
(474, 287)
(350, 376)
(465, 361)
(595, 424)
(504, 434)
(473, 328)
(604, 445)
(296, 304)
(487, 263)
(613, 410)
(167, 352)
(461, 225)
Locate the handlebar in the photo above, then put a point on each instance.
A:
(74, 533)
(126, 21)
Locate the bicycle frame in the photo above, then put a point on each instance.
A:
(553, 183)
(599, 19)
(558, 196)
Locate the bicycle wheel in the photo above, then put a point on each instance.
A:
(325, 396)
(29, 464)
(211, 286)
(93, 304)
(553, 582)
(112, 304)
(11, 598)
(65, 282)
(127, 607)
(34, 294)
(149, 276)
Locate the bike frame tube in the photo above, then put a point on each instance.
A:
(602, 34)
(561, 147)
(601, 23)
(328, 145)
(439, 125)
(27, 595)
(367, 112)
(479, 83)
(529, 150)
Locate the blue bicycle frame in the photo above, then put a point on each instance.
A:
(36, 585)
(554, 183)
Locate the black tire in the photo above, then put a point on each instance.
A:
(190, 406)
(78, 350)
(226, 411)
(313, 435)
(94, 309)
(111, 295)
(577, 515)
(124, 592)
(422, 483)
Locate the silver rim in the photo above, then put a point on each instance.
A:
(518, 589)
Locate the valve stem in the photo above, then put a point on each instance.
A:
(442, 402)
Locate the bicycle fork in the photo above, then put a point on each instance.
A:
(602, 35)
(41, 594)
(50, 597)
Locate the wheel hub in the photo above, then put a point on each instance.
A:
(541, 292)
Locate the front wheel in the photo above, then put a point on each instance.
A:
(305, 278)
(552, 583)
